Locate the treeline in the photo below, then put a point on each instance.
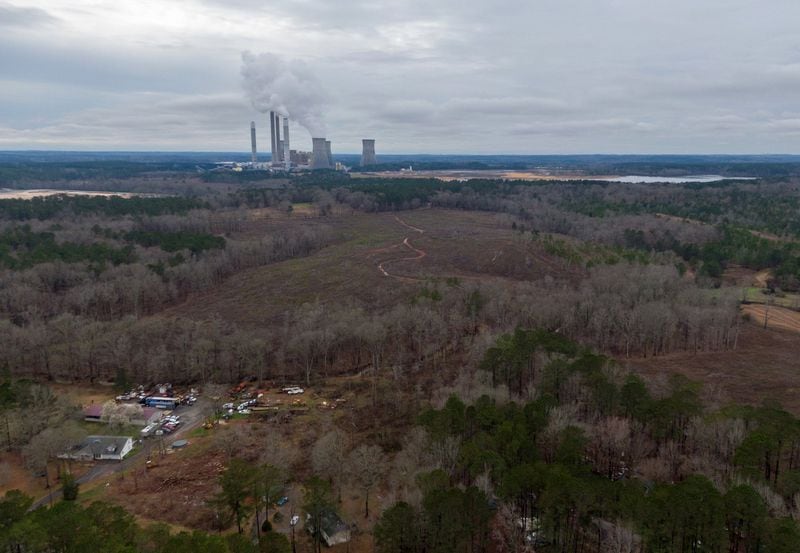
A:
(21, 248)
(175, 241)
(596, 460)
(26, 172)
(151, 280)
(60, 205)
(769, 206)
(68, 526)
(632, 310)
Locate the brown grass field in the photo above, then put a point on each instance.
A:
(776, 317)
(466, 245)
(765, 366)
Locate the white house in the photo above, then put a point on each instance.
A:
(113, 448)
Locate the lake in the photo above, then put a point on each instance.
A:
(675, 180)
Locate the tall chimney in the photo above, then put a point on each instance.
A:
(278, 144)
(368, 152)
(287, 157)
(328, 153)
(253, 141)
(319, 154)
(272, 135)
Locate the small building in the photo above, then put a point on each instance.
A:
(93, 412)
(148, 415)
(100, 448)
(333, 529)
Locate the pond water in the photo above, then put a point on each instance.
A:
(675, 180)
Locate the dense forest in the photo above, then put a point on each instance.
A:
(562, 463)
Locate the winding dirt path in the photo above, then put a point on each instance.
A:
(407, 244)
(412, 227)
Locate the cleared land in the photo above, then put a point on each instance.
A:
(456, 244)
(7, 194)
(764, 366)
(775, 317)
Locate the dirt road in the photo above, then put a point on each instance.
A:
(404, 244)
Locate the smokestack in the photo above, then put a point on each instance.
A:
(319, 154)
(328, 153)
(287, 157)
(272, 135)
(278, 141)
(368, 152)
(253, 141)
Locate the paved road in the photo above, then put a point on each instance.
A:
(191, 418)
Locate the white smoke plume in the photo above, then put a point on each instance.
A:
(288, 87)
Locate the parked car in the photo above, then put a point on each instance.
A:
(282, 501)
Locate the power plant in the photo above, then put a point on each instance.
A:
(283, 158)
(368, 152)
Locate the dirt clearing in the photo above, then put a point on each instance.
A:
(776, 317)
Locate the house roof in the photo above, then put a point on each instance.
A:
(94, 446)
(94, 410)
(105, 444)
(330, 523)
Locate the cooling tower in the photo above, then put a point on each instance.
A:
(319, 154)
(253, 141)
(368, 152)
(272, 135)
(287, 157)
(328, 153)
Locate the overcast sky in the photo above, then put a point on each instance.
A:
(436, 76)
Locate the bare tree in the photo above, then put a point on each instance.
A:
(329, 456)
(366, 466)
(228, 439)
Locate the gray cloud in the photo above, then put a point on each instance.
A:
(18, 16)
(519, 76)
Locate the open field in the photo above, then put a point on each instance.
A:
(757, 295)
(375, 260)
(765, 365)
(776, 317)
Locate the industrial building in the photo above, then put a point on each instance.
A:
(319, 154)
(283, 158)
(368, 152)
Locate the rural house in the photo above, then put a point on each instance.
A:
(113, 448)
(333, 530)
